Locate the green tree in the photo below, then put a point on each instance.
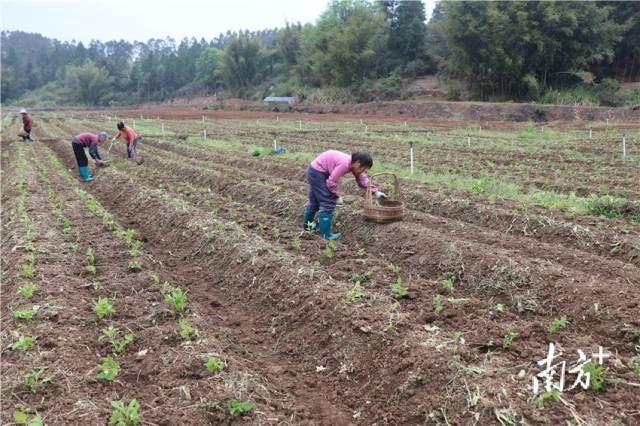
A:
(208, 68)
(89, 83)
(551, 38)
(348, 43)
(240, 64)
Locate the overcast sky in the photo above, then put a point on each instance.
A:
(84, 20)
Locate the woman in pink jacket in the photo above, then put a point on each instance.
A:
(323, 175)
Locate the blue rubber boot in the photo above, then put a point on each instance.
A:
(84, 174)
(309, 224)
(326, 220)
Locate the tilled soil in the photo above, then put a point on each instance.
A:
(279, 307)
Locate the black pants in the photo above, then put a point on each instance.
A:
(28, 136)
(81, 157)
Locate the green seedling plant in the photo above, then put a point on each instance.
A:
(398, 290)
(539, 401)
(213, 365)
(125, 415)
(22, 344)
(74, 247)
(155, 279)
(447, 284)
(103, 308)
(30, 259)
(296, 243)
(634, 364)
(177, 299)
(34, 380)
(354, 294)
(499, 307)
(27, 290)
(437, 305)
(135, 265)
(23, 419)
(361, 253)
(237, 408)
(118, 345)
(186, 330)
(394, 268)
(25, 314)
(596, 375)
(509, 336)
(90, 268)
(134, 248)
(108, 369)
(558, 324)
(27, 271)
(330, 249)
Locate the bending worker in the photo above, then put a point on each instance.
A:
(130, 137)
(91, 141)
(26, 125)
(323, 175)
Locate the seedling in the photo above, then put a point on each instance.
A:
(91, 269)
(500, 307)
(634, 364)
(125, 415)
(74, 247)
(296, 243)
(509, 337)
(27, 270)
(23, 419)
(354, 294)
(237, 408)
(134, 248)
(108, 369)
(186, 330)
(103, 308)
(437, 304)
(91, 260)
(25, 314)
(118, 345)
(362, 278)
(394, 268)
(22, 344)
(539, 401)
(30, 259)
(398, 290)
(27, 290)
(558, 324)
(597, 375)
(213, 365)
(473, 397)
(33, 379)
(97, 286)
(447, 284)
(135, 265)
(155, 279)
(177, 299)
(330, 248)
(361, 253)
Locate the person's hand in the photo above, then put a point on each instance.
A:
(339, 201)
(113, 140)
(99, 162)
(379, 194)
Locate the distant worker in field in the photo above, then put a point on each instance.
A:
(323, 175)
(26, 125)
(91, 141)
(130, 137)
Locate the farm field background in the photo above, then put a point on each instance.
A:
(509, 228)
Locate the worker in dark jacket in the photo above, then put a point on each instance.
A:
(26, 125)
(91, 141)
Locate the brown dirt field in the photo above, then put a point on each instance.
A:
(271, 302)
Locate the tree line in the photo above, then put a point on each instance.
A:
(356, 50)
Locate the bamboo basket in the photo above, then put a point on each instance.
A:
(388, 210)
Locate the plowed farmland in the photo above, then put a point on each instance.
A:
(515, 237)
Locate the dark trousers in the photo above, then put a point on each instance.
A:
(81, 157)
(319, 196)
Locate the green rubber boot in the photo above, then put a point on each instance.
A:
(84, 174)
(326, 220)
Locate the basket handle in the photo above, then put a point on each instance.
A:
(369, 196)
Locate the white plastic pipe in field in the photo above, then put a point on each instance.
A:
(468, 142)
(162, 129)
(411, 157)
(590, 133)
(624, 146)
